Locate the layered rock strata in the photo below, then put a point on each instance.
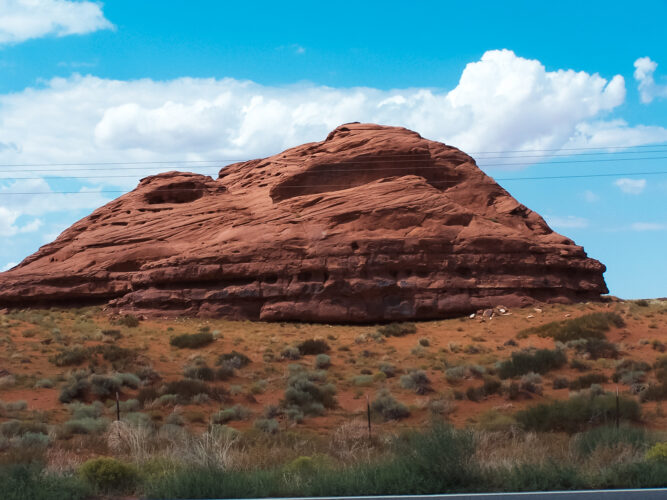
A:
(372, 224)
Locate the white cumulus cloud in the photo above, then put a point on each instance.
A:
(631, 186)
(22, 20)
(8, 266)
(648, 88)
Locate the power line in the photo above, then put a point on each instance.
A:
(222, 160)
(374, 160)
(550, 177)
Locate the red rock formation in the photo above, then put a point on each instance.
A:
(372, 224)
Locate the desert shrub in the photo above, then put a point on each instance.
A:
(598, 348)
(580, 365)
(397, 329)
(12, 406)
(313, 346)
(654, 392)
(309, 392)
(186, 389)
(76, 388)
(236, 412)
(417, 381)
(130, 405)
(388, 407)
(225, 372)
(28, 481)
(129, 380)
(258, 387)
(107, 474)
(147, 394)
(114, 334)
(191, 340)
(362, 380)
(291, 353)
(103, 386)
(455, 373)
(610, 437)
(234, 359)
(44, 383)
(70, 356)
(658, 453)
(561, 383)
(199, 372)
(81, 410)
(494, 421)
(424, 342)
(267, 425)
(388, 369)
(322, 361)
(542, 361)
(129, 320)
(491, 386)
(578, 412)
(628, 366)
(585, 381)
(588, 326)
(531, 382)
(86, 425)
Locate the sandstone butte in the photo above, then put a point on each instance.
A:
(372, 224)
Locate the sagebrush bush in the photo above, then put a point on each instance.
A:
(86, 425)
(388, 407)
(577, 413)
(268, 425)
(309, 392)
(191, 340)
(186, 389)
(388, 369)
(76, 388)
(129, 320)
(542, 361)
(416, 380)
(107, 474)
(585, 381)
(598, 348)
(589, 326)
(610, 437)
(313, 346)
(233, 359)
(397, 329)
(199, 372)
(291, 353)
(70, 356)
(236, 412)
(322, 361)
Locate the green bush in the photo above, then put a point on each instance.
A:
(585, 381)
(186, 389)
(388, 407)
(234, 359)
(69, 357)
(29, 482)
(322, 362)
(75, 388)
(129, 320)
(397, 329)
(104, 386)
(388, 369)
(577, 413)
(199, 372)
(609, 436)
(309, 392)
(658, 453)
(86, 425)
(191, 340)
(542, 361)
(598, 348)
(267, 425)
(291, 353)
(109, 475)
(313, 346)
(236, 412)
(417, 381)
(588, 326)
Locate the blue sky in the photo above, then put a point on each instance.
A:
(146, 81)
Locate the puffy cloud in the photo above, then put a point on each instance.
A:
(567, 222)
(648, 89)
(22, 20)
(8, 266)
(631, 186)
(502, 102)
(590, 196)
(8, 225)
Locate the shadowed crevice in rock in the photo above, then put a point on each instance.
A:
(372, 224)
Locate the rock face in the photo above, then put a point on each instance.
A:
(372, 224)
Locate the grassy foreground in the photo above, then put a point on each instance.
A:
(440, 459)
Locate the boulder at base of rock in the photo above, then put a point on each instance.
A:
(372, 224)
